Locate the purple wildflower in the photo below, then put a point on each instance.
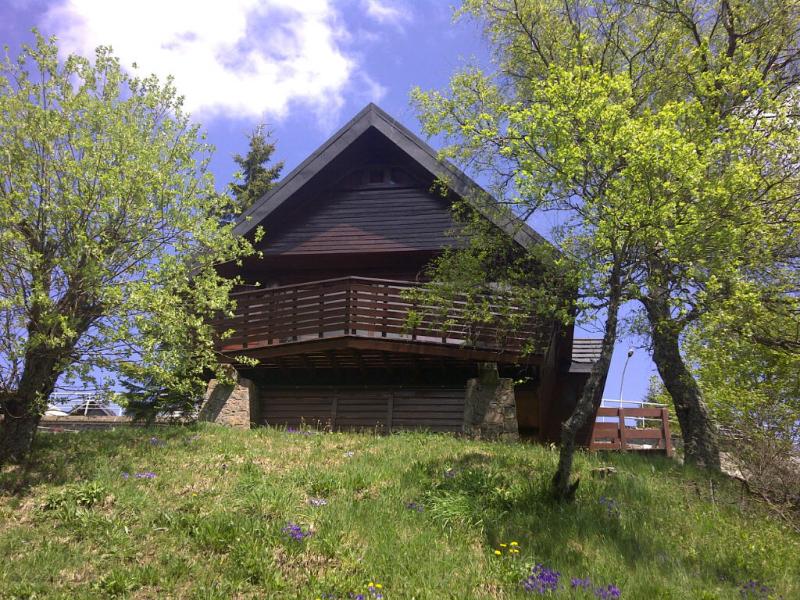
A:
(541, 580)
(611, 506)
(145, 475)
(609, 592)
(317, 501)
(415, 506)
(374, 592)
(581, 584)
(126, 475)
(296, 532)
(154, 441)
(297, 431)
(756, 590)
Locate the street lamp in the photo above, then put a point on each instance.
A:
(622, 379)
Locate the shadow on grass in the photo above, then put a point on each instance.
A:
(59, 458)
(510, 500)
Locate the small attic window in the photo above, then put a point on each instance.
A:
(376, 177)
(354, 179)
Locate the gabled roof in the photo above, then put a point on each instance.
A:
(412, 145)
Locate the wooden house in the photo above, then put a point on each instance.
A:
(325, 313)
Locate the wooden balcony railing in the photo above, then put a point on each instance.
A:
(646, 429)
(362, 307)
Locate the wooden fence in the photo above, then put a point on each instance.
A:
(363, 307)
(650, 431)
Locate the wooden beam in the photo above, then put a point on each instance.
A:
(308, 365)
(338, 376)
(415, 368)
(393, 346)
(387, 364)
(282, 366)
(359, 360)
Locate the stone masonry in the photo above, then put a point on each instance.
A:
(234, 405)
(490, 410)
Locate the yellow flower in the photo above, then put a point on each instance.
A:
(497, 552)
(503, 545)
(514, 551)
(378, 585)
(370, 584)
(514, 544)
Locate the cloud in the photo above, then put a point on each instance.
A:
(385, 13)
(238, 58)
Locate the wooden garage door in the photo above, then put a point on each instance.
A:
(437, 409)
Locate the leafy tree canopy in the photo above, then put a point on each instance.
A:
(109, 232)
(661, 134)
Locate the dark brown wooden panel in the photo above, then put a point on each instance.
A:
(380, 220)
(384, 409)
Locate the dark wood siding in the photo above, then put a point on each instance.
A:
(372, 220)
(437, 409)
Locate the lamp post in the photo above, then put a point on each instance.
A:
(622, 379)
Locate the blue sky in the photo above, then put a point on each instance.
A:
(305, 67)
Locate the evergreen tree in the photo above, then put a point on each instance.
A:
(256, 175)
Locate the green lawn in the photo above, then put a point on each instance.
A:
(210, 524)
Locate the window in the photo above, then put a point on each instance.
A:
(377, 177)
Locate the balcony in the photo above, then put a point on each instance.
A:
(363, 313)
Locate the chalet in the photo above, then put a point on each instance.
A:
(325, 313)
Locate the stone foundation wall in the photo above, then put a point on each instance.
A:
(490, 410)
(232, 405)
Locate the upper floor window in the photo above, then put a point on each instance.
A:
(377, 176)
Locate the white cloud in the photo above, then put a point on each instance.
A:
(242, 58)
(385, 12)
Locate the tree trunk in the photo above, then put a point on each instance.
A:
(699, 433)
(17, 430)
(589, 400)
(23, 410)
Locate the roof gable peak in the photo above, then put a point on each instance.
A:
(372, 116)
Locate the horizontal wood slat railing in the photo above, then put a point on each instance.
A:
(650, 431)
(362, 307)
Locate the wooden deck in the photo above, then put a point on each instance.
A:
(649, 434)
(363, 312)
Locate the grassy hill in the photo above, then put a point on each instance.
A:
(209, 512)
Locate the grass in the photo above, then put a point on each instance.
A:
(210, 524)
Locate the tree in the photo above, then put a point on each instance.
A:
(573, 176)
(747, 362)
(257, 178)
(672, 120)
(109, 233)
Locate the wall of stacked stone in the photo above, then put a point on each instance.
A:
(490, 410)
(234, 405)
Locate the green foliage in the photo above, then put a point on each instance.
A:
(210, 522)
(660, 135)
(83, 495)
(109, 228)
(747, 362)
(493, 281)
(257, 176)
